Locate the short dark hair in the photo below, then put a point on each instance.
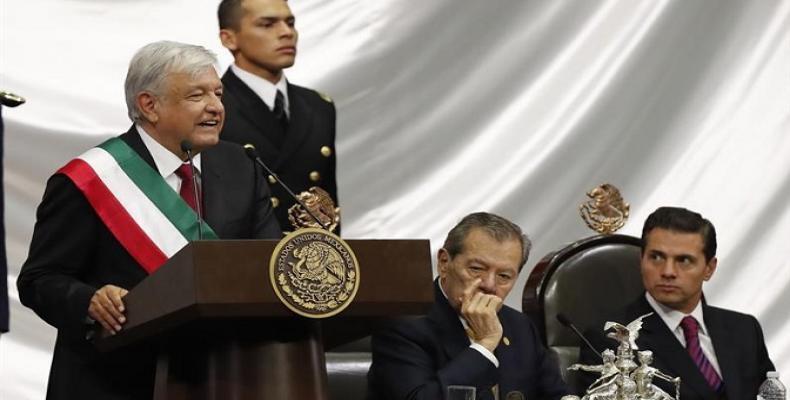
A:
(682, 220)
(229, 14)
(497, 227)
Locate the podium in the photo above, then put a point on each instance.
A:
(224, 334)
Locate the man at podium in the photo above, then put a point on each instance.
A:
(469, 337)
(115, 214)
(717, 353)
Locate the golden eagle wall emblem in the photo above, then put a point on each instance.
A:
(606, 211)
(314, 273)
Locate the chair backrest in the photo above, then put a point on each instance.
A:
(347, 370)
(585, 281)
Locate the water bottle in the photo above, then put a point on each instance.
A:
(772, 388)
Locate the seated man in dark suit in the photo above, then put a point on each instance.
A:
(116, 214)
(469, 337)
(717, 353)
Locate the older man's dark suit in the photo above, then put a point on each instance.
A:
(293, 155)
(737, 340)
(419, 358)
(72, 254)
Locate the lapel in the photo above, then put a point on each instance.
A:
(504, 351)
(723, 339)
(132, 138)
(299, 124)
(451, 332)
(256, 112)
(506, 381)
(670, 356)
(215, 201)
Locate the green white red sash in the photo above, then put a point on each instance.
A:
(150, 220)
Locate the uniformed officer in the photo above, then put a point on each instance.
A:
(292, 127)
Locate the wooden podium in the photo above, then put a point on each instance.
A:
(224, 334)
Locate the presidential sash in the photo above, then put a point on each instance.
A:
(150, 220)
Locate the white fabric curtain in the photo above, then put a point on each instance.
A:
(452, 106)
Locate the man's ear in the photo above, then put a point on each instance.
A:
(228, 39)
(710, 268)
(146, 104)
(442, 262)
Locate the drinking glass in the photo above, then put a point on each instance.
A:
(458, 392)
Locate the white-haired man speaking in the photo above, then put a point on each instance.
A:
(116, 213)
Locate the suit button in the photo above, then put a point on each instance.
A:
(326, 151)
(272, 180)
(275, 202)
(315, 176)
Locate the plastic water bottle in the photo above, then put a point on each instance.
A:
(772, 388)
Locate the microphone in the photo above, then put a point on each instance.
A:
(252, 153)
(186, 147)
(11, 100)
(567, 323)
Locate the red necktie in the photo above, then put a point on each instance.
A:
(187, 191)
(691, 332)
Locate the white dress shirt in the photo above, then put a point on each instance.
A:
(266, 90)
(672, 318)
(166, 162)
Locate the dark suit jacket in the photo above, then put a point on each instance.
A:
(72, 254)
(737, 340)
(311, 127)
(419, 358)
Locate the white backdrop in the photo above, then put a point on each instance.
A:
(452, 106)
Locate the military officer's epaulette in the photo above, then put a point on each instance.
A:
(324, 96)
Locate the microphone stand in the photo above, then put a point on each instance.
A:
(252, 153)
(568, 324)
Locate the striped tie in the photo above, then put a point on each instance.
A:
(691, 331)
